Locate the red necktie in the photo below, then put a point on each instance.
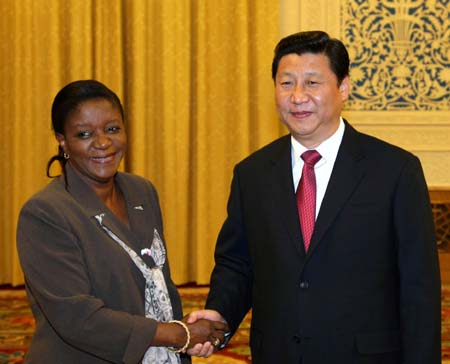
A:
(306, 195)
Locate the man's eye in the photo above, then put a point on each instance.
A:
(312, 83)
(286, 83)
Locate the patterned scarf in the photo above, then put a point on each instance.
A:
(157, 300)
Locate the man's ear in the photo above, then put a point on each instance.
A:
(344, 88)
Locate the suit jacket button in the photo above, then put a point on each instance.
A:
(304, 285)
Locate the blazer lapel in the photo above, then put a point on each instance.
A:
(284, 193)
(138, 214)
(347, 173)
(95, 208)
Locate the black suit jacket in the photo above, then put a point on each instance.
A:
(367, 290)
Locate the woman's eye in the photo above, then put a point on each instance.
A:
(83, 134)
(113, 129)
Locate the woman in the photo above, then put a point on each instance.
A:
(92, 249)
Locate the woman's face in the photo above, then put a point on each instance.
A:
(95, 140)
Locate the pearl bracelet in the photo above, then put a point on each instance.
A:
(188, 336)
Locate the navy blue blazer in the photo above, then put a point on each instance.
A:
(367, 290)
(86, 293)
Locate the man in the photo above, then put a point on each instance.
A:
(336, 256)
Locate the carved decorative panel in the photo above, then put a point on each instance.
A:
(400, 53)
(442, 220)
(440, 203)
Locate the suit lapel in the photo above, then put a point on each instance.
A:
(284, 193)
(347, 173)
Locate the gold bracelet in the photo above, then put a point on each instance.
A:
(188, 336)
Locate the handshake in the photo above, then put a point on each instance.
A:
(205, 331)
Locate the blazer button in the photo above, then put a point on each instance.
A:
(304, 285)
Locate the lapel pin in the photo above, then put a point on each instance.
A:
(146, 251)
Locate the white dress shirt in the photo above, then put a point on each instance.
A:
(328, 149)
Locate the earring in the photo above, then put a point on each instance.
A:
(66, 156)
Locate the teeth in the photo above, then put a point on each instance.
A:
(102, 158)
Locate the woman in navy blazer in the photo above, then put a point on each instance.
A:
(91, 245)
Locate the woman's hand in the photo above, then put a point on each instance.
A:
(203, 331)
(205, 335)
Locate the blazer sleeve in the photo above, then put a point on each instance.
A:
(52, 260)
(420, 302)
(230, 291)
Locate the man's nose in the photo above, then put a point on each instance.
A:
(299, 95)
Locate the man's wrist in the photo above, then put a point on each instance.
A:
(227, 337)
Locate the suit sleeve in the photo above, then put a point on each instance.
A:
(230, 291)
(418, 269)
(53, 263)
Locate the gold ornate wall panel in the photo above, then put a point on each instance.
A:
(400, 70)
(400, 52)
(440, 203)
(441, 213)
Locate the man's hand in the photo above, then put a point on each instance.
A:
(207, 348)
(204, 350)
(211, 315)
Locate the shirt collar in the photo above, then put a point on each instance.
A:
(328, 149)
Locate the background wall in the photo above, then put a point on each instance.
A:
(194, 77)
(400, 71)
(195, 80)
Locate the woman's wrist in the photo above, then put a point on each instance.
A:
(187, 335)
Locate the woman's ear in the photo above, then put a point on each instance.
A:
(61, 140)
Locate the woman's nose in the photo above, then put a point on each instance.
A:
(102, 141)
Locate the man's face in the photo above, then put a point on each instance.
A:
(308, 97)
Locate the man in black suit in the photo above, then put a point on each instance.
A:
(357, 283)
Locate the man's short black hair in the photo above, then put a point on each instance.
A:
(314, 42)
